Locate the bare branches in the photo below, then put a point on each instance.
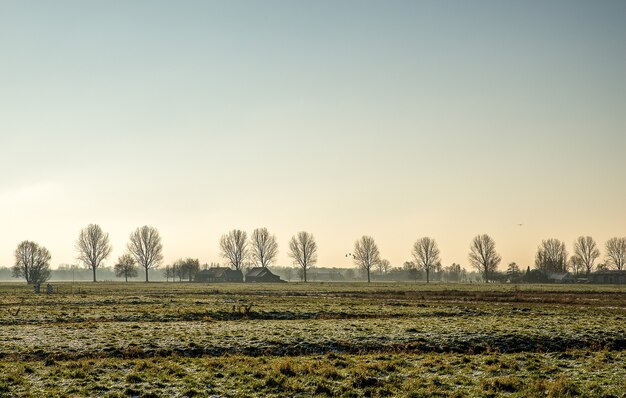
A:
(551, 256)
(93, 247)
(576, 265)
(32, 262)
(366, 254)
(187, 268)
(303, 251)
(616, 252)
(263, 247)
(483, 255)
(586, 252)
(234, 248)
(125, 267)
(146, 247)
(383, 266)
(426, 255)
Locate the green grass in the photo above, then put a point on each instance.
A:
(576, 373)
(315, 339)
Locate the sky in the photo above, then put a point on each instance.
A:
(395, 119)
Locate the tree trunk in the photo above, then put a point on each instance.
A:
(126, 275)
(94, 273)
(146, 274)
(368, 275)
(427, 280)
(305, 273)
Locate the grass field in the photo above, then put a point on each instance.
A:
(324, 339)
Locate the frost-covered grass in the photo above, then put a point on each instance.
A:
(460, 333)
(158, 339)
(569, 374)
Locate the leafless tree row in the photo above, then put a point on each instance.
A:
(552, 255)
(262, 249)
(145, 248)
(32, 261)
(183, 269)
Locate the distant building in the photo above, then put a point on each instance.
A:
(325, 274)
(219, 275)
(562, 277)
(608, 277)
(262, 275)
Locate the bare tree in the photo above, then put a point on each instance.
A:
(146, 247)
(586, 250)
(32, 262)
(383, 266)
(93, 247)
(483, 255)
(263, 247)
(426, 255)
(616, 252)
(303, 251)
(126, 267)
(551, 256)
(576, 265)
(188, 268)
(366, 254)
(234, 248)
(513, 273)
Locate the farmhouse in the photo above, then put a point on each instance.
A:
(564, 277)
(262, 275)
(219, 274)
(608, 276)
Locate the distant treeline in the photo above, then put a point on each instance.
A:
(69, 273)
(144, 251)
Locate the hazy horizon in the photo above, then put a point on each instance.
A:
(397, 119)
(342, 261)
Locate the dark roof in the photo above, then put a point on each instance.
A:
(261, 274)
(560, 276)
(215, 271)
(219, 272)
(258, 271)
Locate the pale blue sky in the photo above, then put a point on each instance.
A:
(389, 118)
